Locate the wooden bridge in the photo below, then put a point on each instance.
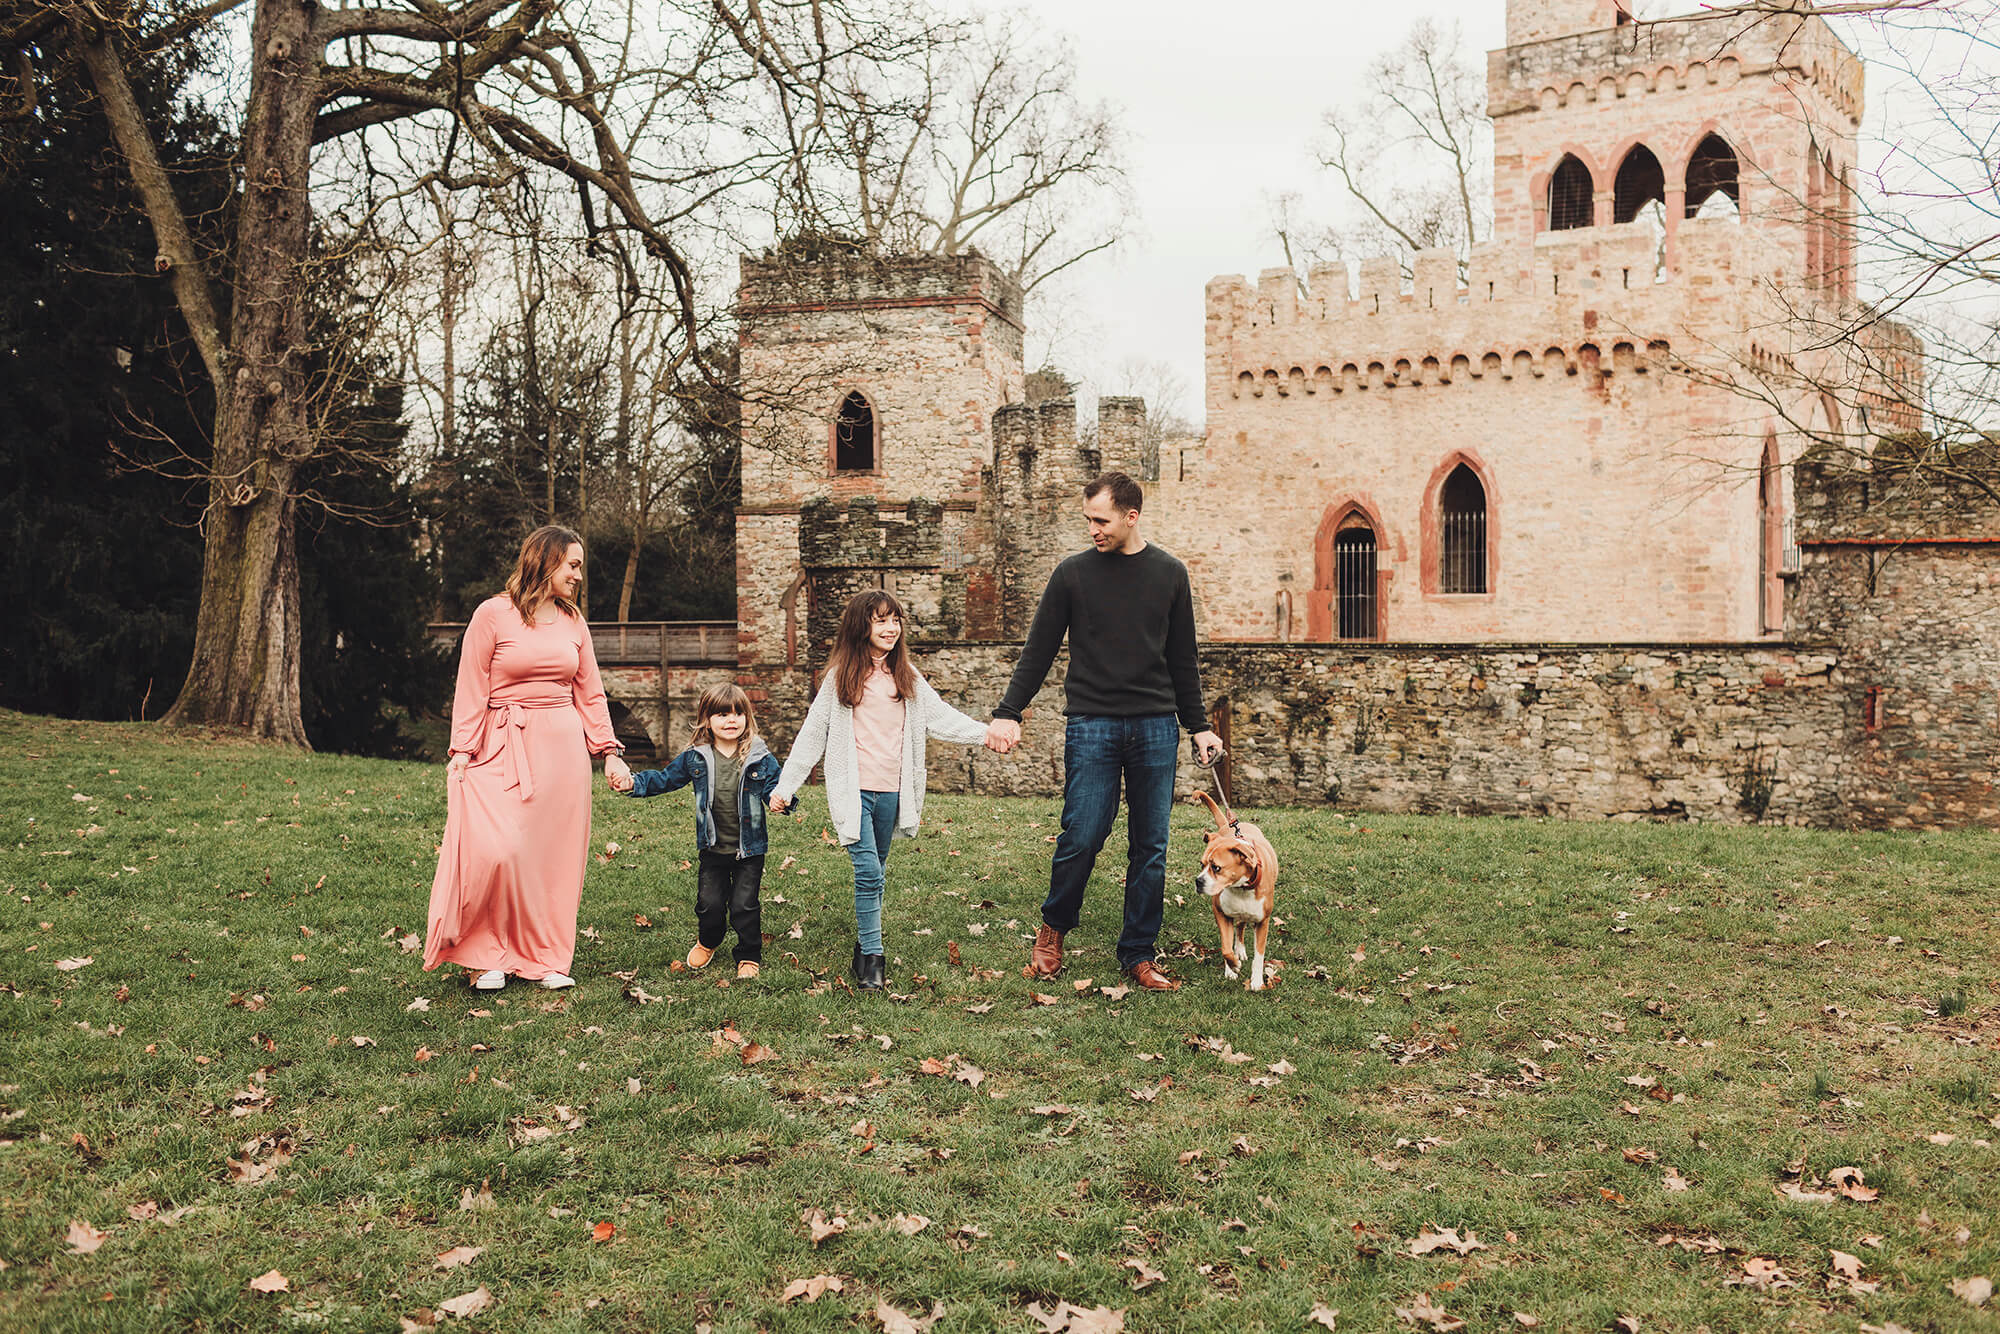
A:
(654, 671)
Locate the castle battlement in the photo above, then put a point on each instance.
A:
(1632, 60)
(856, 534)
(1588, 294)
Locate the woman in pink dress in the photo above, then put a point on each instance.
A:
(528, 715)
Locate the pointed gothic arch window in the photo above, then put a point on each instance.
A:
(1714, 188)
(854, 443)
(1354, 580)
(1771, 538)
(1570, 191)
(1639, 182)
(1462, 525)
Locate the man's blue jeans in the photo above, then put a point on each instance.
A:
(870, 856)
(1098, 753)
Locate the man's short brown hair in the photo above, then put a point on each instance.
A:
(1126, 494)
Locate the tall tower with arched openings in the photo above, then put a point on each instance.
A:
(1600, 120)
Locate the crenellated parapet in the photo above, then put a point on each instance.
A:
(834, 535)
(1614, 63)
(1586, 301)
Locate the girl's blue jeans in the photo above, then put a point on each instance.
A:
(870, 855)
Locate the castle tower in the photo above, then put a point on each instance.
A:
(1598, 120)
(1507, 451)
(869, 388)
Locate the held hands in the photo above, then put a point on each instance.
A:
(779, 805)
(1207, 748)
(617, 773)
(1002, 735)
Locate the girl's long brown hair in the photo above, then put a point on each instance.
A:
(541, 556)
(725, 698)
(853, 657)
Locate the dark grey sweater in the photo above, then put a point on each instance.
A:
(1130, 622)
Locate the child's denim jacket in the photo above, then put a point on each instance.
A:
(693, 765)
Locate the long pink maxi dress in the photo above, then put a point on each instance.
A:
(530, 711)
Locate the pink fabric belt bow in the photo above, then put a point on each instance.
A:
(511, 717)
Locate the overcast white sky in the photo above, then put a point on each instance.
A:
(1221, 103)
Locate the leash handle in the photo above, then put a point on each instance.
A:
(1215, 775)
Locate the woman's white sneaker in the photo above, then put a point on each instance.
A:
(557, 981)
(491, 980)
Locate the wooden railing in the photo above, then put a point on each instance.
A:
(643, 643)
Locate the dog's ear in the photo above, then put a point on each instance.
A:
(1207, 835)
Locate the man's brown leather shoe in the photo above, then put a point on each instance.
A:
(1046, 959)
(1148, 975)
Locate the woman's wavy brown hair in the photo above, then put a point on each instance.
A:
(725, 698)
(541, 556)
(853, 656)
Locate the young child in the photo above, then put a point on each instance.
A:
(733, 772)
(869, 722)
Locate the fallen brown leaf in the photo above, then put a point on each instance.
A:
(820, 1227)
(270, 1281)
(1422, 1310)
(894, 1321)
(1144, 1275)
(1446, 1238)
(458, 1255)
(1974, 1291)
(467, 1304)
(811, 1289)
(83, 1238)
(604, 1231)
(1322, 1315)
(1068, 1319)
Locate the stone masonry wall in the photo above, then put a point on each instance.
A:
(1725, 733)
(1905, 570)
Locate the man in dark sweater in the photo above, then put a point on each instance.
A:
(1129, 614)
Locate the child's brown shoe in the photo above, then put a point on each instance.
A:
(699, 955)
(746, 969)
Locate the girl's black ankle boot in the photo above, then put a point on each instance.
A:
(870, 970)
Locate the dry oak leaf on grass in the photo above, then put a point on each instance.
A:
(71, 965)
(1974, 1291)
(811, 1289)
(894, 1321)
(1446, 1238)
(909, 1224)
(1069, 1319)
(820, 1227)
(270, 1281)
(474, 1201)
(467, 1304)
(1764, 1275)
(1849, 1182)
(1322, 1314)
(1143, 1275)
(458, 1255)
(83, 1238)
(1421, 1310)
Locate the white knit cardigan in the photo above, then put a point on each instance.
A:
(828, 733)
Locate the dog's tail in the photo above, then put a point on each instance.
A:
(1221, 818)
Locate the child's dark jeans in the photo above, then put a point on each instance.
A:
(725, 896)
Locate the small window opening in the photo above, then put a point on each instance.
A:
(854, 436)
(1640, 181)
(1713, 188)
(1570, 190)
(1462, 502)
(1354, 581)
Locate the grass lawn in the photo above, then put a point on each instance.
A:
(1629, 1060)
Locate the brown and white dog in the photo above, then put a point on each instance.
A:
(1239, 874)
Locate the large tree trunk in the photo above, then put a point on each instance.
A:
(245, 671)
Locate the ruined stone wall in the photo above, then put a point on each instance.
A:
(1723, 733)
(1904, 570)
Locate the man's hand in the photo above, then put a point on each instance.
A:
(778, 804)
(1002, 735)
(1207, 746)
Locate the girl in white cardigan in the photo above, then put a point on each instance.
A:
(869, 722)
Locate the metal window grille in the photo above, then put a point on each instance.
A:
(1463, 569)
(1570, 204)
(1354, 582)
(1788, 563)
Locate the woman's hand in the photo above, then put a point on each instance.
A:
(778, 804)
(455, 766)
(617, 773)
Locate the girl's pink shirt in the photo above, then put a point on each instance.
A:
(878, 733)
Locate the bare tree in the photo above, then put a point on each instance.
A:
(1413, 154)
(1899, 336)
(981, 142)
(513, 86)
